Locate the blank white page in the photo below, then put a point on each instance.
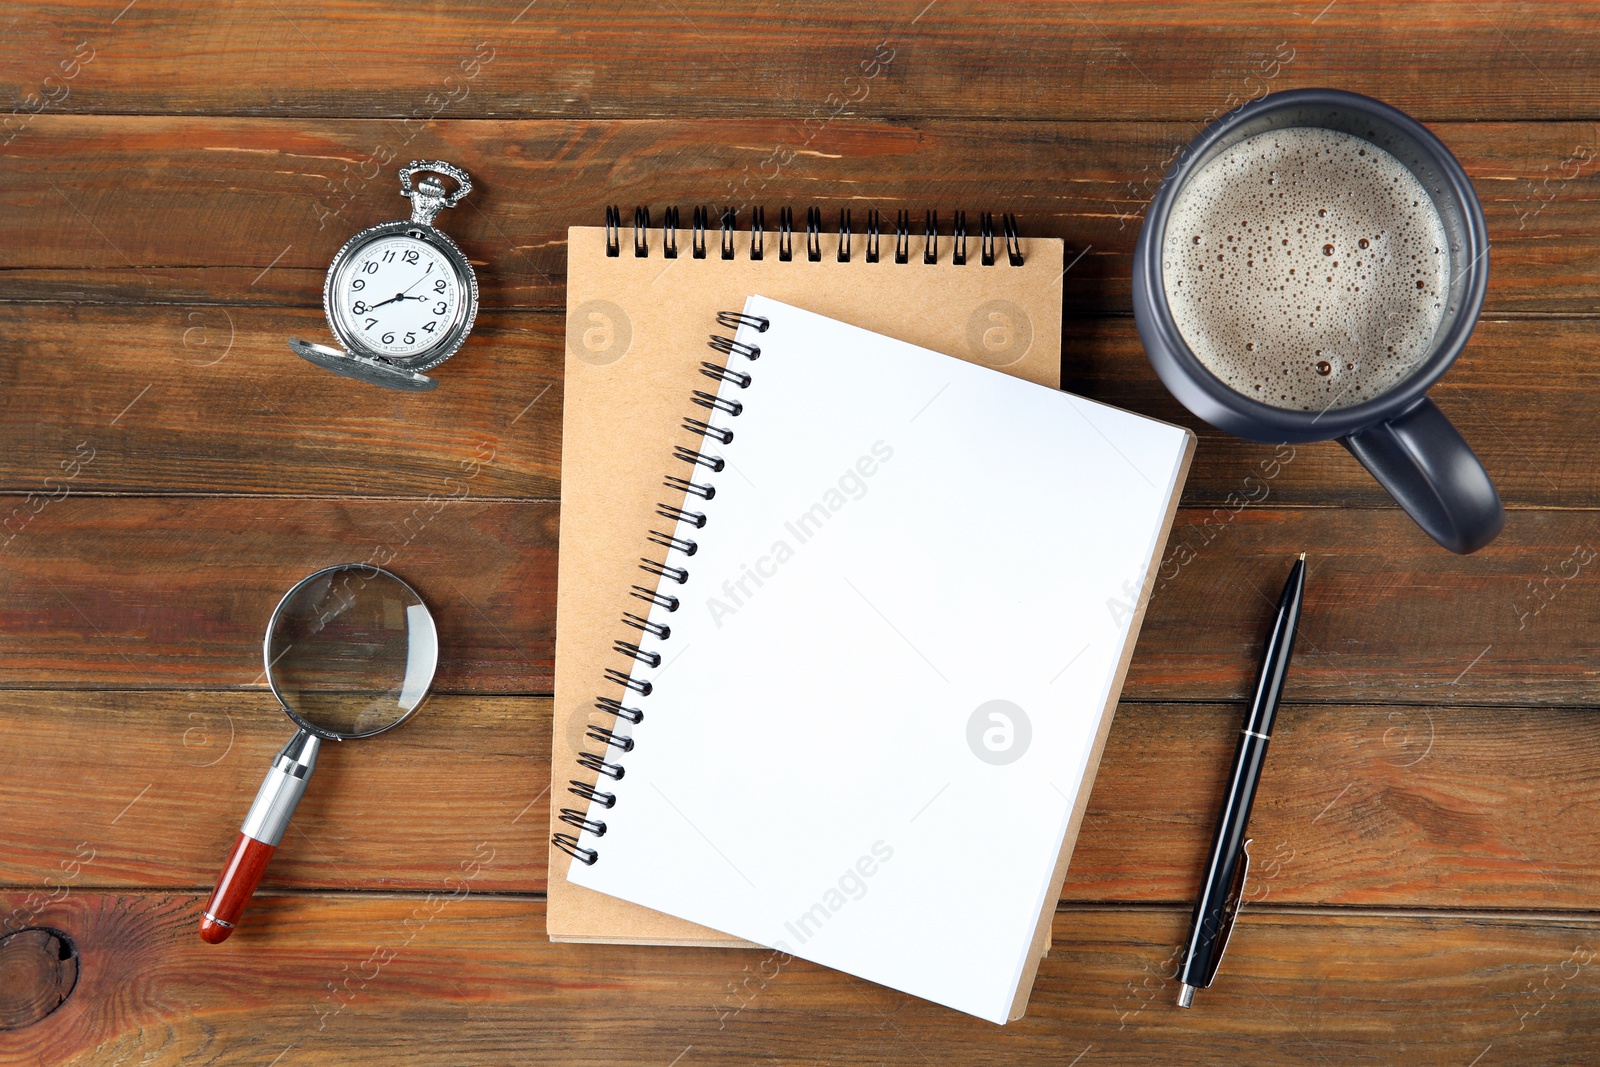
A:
(890, 660)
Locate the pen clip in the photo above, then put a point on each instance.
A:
(1230, 912)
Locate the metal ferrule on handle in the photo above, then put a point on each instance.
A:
(282, 789)
(259, 836)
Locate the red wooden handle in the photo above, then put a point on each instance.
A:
(235, 887)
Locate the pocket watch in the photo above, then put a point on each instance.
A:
(400, 297)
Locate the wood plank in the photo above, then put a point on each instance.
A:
(161, 781)
(1519, 393)
(169, 593)
(1360, 805)
(210, 400)
(1390, 616)
(129, 386)
(139, 203)
(1092, 59)
(349, 979)
(1383, 806)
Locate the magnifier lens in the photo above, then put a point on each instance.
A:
(352, 651)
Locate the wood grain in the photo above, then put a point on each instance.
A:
(1395, 806)
(348, 979)
(1390, 617)
(183, 400)
(209, 400)
(40, 969)
(172, 592)
(172, 774)
(1094, 59)
(1517, 392)
(126, 208)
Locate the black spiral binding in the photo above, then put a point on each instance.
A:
(604, 765)
(700, 226)
(641, 223)
(669, 233)
(613, 231)
(728, 228)
(699, 237)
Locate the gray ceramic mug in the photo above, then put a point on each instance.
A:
(1399, 436)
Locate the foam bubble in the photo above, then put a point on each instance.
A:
(1306, 268)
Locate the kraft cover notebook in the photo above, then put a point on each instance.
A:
(879, 653)
(637, 324)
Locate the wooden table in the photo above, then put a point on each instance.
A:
(174, 179)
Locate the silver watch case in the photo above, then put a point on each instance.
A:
(362, 368)
(454, 336)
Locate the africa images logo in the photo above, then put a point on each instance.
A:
(599, 332)
(850, 885)
(850, 485)
(998, 732)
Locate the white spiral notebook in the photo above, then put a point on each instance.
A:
(876, 657)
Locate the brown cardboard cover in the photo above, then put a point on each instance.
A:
(637, 329)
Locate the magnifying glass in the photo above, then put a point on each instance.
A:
(350, 653)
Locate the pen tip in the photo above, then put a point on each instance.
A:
(1185, 996)
(1302, 557)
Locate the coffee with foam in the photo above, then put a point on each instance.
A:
(1306, 268)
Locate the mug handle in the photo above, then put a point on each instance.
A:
(1431, 471)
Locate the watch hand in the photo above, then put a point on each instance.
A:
(392, 299)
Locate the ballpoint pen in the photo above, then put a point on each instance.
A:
(1222, 884)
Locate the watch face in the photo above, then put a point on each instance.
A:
(399, 296)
